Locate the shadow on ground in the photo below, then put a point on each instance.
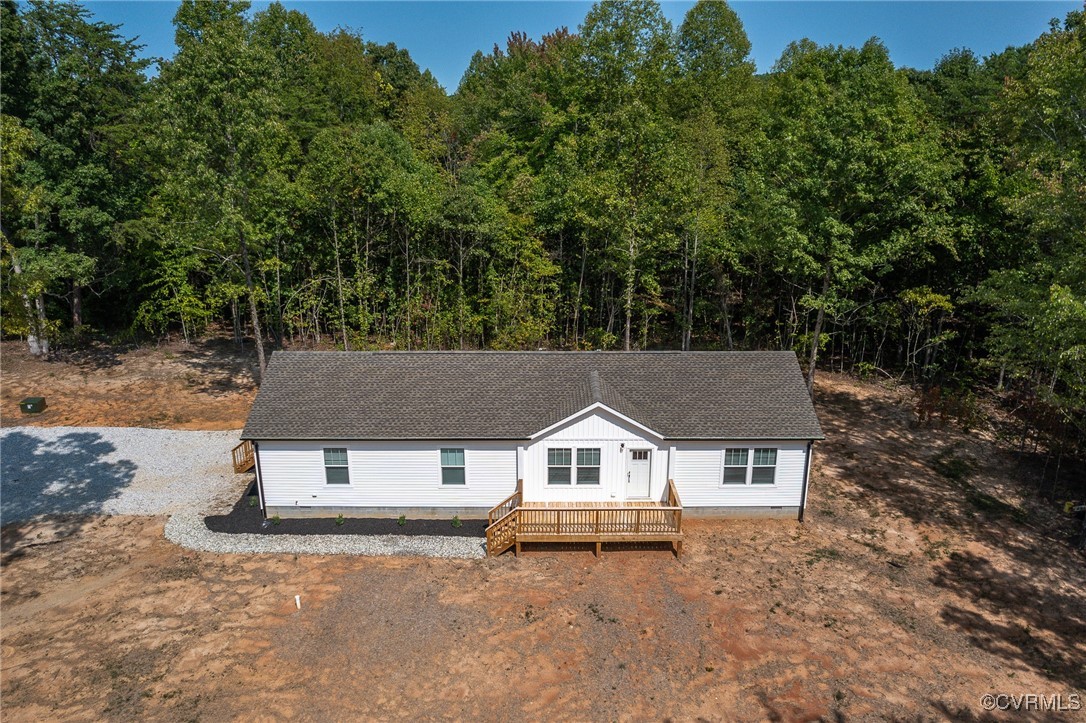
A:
(219, 367)
(66, 477)
(942, 479)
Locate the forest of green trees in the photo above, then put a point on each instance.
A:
(630, 185)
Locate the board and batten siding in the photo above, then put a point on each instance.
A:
(386, 474)
(613, 436)
(698, 471)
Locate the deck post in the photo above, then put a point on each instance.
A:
(597, 549)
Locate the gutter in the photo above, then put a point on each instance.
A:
(806, 480)
(259, 481)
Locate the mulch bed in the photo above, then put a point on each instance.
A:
(245, 517)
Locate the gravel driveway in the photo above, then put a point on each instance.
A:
(115, 471)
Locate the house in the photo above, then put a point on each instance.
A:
(593, 435)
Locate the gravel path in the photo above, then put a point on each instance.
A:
(114, 471)
(188, 530)
(134, 471)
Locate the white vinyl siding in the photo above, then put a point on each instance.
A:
(387, 474)
(698, 470)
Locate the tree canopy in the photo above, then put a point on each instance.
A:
(629, 185)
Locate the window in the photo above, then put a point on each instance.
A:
(452, 467)
(735, 466)
(764, 471)
(757, 466)
(335, 466)
(588, 466)
(558, 466)
(640, 454)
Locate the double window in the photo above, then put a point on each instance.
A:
(750, 466)
(560, 467)
(336, 471)
(452, 467)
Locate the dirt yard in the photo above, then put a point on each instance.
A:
(205, 385)
(921, 581)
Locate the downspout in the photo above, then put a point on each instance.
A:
(806, 479)
(259, 481)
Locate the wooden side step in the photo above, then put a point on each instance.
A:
(244, 457)
(502, 534)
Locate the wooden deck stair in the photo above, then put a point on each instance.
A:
(514, 522)
(244, 457)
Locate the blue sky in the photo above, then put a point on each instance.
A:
(442, 36)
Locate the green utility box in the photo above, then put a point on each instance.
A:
(32, 405)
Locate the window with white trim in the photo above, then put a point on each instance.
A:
(453, 467)
(559, 464)
(764, 469)
(749, 466)
(588, 466)
(735, 466)
(336, 471)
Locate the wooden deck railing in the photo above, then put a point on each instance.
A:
(588, 523)
(510, 523)
(244, 457)
(507, 505)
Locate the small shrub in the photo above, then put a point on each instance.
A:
(402, 520)
(252, 501)
(456, 522)
(275, 519)
(340, 520)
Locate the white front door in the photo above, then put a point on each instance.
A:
(638, 462)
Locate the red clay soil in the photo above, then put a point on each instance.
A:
(205, 385)
(905, 595)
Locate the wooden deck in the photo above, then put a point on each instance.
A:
(244, 457)
(515, 522)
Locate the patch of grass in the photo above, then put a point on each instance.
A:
(935, 549)
(823, 553)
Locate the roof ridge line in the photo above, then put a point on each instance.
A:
(594, 386)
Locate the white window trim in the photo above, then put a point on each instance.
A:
(440, 475)
(572, 468)
(325, 467)
(748, 484)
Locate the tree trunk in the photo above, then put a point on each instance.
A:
(77, 306)
(257, 336)
(235, 316)
(630, 270)
(691, 290)
(35, 316)
(339, 287)
(817, 332)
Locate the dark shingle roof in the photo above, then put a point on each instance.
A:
(513, 395)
